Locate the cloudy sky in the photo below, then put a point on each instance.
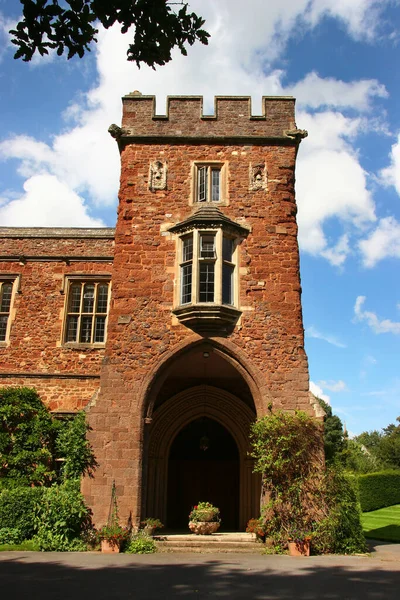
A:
(340, 59)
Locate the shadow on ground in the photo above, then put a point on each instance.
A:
(87, 577)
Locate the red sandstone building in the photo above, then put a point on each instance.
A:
(183, 325)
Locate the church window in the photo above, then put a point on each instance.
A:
(86, 312)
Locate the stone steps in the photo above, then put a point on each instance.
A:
(217, 542)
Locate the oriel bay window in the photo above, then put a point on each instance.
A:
(86, 312)
(207, 292)
(207, 268)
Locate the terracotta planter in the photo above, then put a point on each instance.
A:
(109, 546)
(301, 548)
(203, 527)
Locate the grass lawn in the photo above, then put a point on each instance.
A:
(26, 545)
(382, 524)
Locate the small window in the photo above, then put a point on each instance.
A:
(187, 269)
(208, 183)
(6, 288)
(87, 307)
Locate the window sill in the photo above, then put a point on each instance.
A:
(207, 316)
(81, 346)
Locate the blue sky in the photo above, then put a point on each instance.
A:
(339, 58)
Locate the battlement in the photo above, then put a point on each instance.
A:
(232, 118)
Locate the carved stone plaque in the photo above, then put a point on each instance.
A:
(158, 175)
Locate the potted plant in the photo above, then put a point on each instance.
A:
(299, 541)
(204, 519)
(113, 534)
(255, 526)
(111, 537)
(150, 525)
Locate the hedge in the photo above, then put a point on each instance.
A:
(17, 509)
(378, 490)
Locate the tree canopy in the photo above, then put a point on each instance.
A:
(70, 27)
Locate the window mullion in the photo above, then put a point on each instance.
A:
(195, 268)
(218, 268)
(92, 333)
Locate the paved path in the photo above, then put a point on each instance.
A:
(94, 576)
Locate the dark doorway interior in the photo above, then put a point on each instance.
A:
(203, 467)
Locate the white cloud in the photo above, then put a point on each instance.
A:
(331, 184)
(315, 92)
(382, 243)
(391, 174)
(377, 326)
(312, 332)
(47, 203)
(333, 386)
(318, 391)
(238, 60)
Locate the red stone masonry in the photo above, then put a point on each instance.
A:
(41, 258)
(268, 340)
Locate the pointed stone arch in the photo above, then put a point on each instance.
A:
(225, 408)
(221, 346)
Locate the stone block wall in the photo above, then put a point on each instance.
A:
(143, 332)
(35, 356)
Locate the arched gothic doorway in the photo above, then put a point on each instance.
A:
(232, 417)
(203, 465)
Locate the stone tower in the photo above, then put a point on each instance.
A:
(205, 329)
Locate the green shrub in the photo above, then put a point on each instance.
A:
(339, 531)
(140, 543)
(61, 518)
(10, 535)
(17, 509)
(72, 445)
(26, 437)
(378, 490)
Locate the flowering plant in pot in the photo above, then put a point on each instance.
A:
(299, 540)
(112, 535)
(204, 518)
(150, 525)
(255, 526)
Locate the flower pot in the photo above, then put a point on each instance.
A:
(203, 527)
(149, 530)
(300, 548)
(109, 546)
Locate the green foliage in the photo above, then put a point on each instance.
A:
(358, 459)
(334, 438)
(151, 523)
(26, 437)
(17, 509)
(303, 499)
(70, 26)
(338, 529)
(26, 545)
(285, 446)
(31, 440)
(10, 535)
(72, 445)
(378, 490)
(140, 543)
(61, 517)
(204, 511)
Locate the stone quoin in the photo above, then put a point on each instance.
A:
(183, 325)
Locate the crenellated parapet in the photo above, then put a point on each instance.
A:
(232, 119)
